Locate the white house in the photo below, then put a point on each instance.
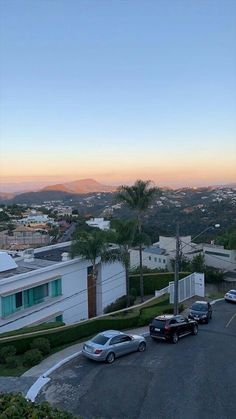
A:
(153, 258)
(44, 284)
(99, 223)
(218, 257)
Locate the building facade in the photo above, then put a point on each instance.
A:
(46, 285)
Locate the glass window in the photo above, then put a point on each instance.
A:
(19, 299)
(8, 305)
(164, 261)
(100, 339)
(56, 288)
(149, 257)
(155, 259)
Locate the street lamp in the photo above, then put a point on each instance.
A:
(177, 259)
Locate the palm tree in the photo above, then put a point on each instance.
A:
(91, 245)
(124, 237)
(138, 198)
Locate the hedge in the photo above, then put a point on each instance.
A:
(29, 329)
(68, 334)
(153, 282)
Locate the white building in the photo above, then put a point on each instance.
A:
(153, 258)
(218, 257)
(36, 220)
(44, 284)
(99, 223)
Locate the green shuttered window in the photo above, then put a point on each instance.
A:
(30, 297)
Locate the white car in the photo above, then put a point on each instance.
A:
(231, 296)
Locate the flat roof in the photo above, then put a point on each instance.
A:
(43, 257)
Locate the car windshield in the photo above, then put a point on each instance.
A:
(199, 307)
(100, 339)
(232, 292)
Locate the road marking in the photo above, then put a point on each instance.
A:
(230, 320)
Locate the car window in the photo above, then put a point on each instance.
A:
(158, 323)
(199, 307)
(116, 339)
(126, 338)
(100, 339)
(173, 321)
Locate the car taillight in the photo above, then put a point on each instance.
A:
(97, 351)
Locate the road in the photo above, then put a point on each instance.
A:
(195, 379)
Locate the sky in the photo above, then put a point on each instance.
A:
(118, 90)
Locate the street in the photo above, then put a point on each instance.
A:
(194, 379)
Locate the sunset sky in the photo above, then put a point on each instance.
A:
(118, 90)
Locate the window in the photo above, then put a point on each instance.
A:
(155, 259)
(19, 299)
(164, 261)
(55, 288)
(149, 257)
(159, 260)
(30, 297)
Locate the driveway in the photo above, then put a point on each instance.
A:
(191, 380)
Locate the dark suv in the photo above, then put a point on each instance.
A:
(200, 311)
(171, 328)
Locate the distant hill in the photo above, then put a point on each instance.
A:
(60, 191)
(82, 186)
(38, 197)
(6, 195)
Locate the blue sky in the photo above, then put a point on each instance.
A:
(118, 90)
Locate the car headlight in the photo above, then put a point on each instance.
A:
(204, 316)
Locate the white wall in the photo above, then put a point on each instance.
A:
(73, 307)
(150, 260)
(111, 286)
(219, 257)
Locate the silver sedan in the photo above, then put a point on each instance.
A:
(111, 344)
(231, 296)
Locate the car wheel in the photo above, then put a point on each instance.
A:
(110, 358)
(195, 330)
(175, 338)
(142, 347)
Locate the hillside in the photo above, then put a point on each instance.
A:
(81, 186)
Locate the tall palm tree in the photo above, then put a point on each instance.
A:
(138, 198)
(91, 245)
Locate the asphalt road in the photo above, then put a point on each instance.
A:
(195, 379)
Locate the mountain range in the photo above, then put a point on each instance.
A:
(57, 191)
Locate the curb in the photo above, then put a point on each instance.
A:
(44, 379)
(216, 301)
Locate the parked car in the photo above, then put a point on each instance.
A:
(111, 344)
(171, 328)
(231, 296)
(200, 311)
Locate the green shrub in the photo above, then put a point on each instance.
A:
(119, 304)
(7, 351)
(11, 362)
(32, 357)
(42, 344)
(14, 405)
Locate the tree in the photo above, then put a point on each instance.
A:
(124, 238)
(198, 263)
(91, 245)
(138, 198)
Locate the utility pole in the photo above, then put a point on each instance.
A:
(176, 281)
